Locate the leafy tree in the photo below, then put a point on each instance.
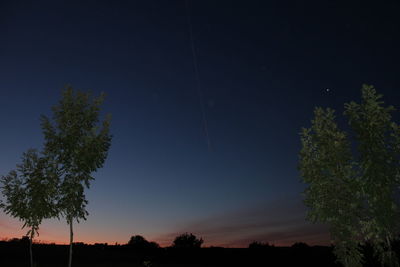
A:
(30, 193)
(352, 185)
(187, 241)
(139, 242)
(78, 144)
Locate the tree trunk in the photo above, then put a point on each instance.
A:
(389, 252)
(71, 240)
(30, 248)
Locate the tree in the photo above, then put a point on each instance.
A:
(139, 242)
(78, 144)
(353, 178)
(187, 241)
(30, 193)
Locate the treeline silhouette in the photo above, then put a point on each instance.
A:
(185, 250)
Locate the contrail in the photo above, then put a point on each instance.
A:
(197, 76)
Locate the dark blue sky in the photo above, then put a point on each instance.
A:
(263, 65)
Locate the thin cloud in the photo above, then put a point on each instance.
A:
(281, 222)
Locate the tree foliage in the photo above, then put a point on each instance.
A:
(78, 145)
(77, 142)
(31, 192)
(187, 240)
(353, 177)
(139, 242)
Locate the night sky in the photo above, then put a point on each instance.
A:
(263, 66)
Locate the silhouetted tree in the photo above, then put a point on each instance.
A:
(14, 240)
(78, 145)
(139, 242)
(30, 193)
(187, 240)
(153, 245)
(353, 191)
(23, 240)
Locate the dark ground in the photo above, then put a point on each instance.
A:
(15, 254)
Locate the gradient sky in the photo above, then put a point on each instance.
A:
(264, 66)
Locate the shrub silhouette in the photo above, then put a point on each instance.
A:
(23, 240)
(187, 240)
(139, 242)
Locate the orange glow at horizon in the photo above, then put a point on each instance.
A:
(163, 243)
(91, 232)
